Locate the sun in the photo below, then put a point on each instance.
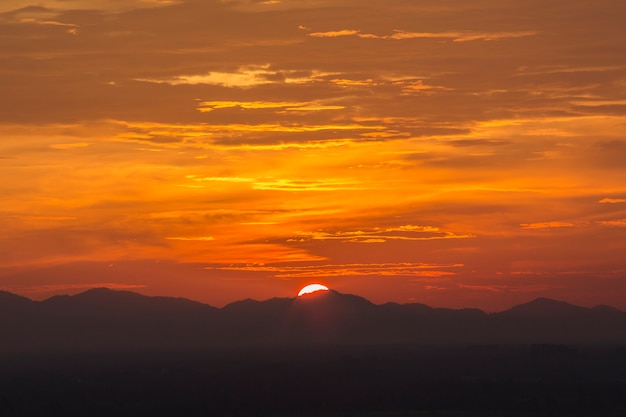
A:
(312, 288)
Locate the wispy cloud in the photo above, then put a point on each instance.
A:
(65, 146)
(608, 200)
(381, 235)
(419, 87)
(40, 16)
(192, 238)
(285, 184)
(546, 225)
(241, 136)
(614, 223)
(405, 269)
(334, 34)
(208, 106)
(404, 35)
(72, 29)
(530, 288)
(244, 77)
(221, 179)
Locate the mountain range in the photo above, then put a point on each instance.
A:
(107, 319)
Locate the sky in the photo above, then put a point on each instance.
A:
(457, 153)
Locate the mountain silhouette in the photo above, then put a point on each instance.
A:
(604, 309)
(333, 304)
(326, 317)
(107, 319)
(544, 307)
(10, 301)
(105, 302)
(552, 321)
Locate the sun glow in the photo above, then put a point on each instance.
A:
(312, 288)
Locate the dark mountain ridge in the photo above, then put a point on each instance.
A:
(544, 307)
(103, 319)
(10, 300)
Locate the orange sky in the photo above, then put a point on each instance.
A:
(456, 153)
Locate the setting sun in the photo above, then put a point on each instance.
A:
(312, 288)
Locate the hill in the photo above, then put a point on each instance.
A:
(107, 319)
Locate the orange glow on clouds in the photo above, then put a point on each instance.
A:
(480, 163)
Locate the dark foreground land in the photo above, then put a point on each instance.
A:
(537, 380)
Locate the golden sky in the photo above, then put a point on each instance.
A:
(452, 152)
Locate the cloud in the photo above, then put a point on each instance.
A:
(511, 288)
(334, 34)
(418, 87)
(459, 36)
(31, 218)
(192, 239)
(570, 69)
(614, 223)
(284, 184)
(329, 184)
(72, 29)
(404, 35)
(208, 106)
(402, 269)
(477, 142)
(546, 225)
(242, 136)
(245, 77)
(65, 146)
(380, 235)
(221, 179)
(311, 107)
(608, 200)
(354, 83)
(58, 6)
